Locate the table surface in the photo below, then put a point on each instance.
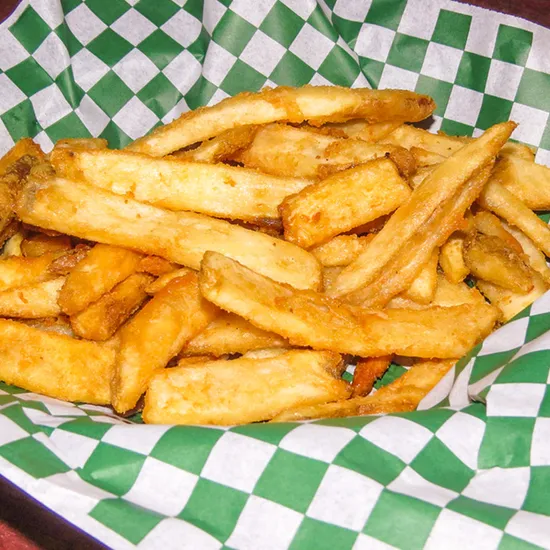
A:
(27, 525)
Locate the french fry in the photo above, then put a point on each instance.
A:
(514, 150)
(442, 184)
(490, 225)
(155, 265)
(55, 365)
(33, 301)
(330, 274)
(451, 258)
(367, 371)
(422, 289)
(82, 143)
(65, 263)
(401, 395)
(307, 318)
(12, 246)
(59, 324)
(316, 104)
(420, 175)
(228, 334)
(39, 244)
(101, 270)
(411, 137)
(90, 213)
(360, 129)
(18, 271)
(343, 201)
(101, 319)
(170, 319)
(265, 353)
(242, 390)
(340, 250)
(163, 280)
(423, 158)
(217, 190)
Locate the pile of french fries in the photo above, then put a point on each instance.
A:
(228, 267)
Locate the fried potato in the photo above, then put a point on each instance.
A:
(101, 319)
(422, 289)
(18, 271)
(361, 129)
(451, 258)
(307, 318)
(490, 259)
(65, 263)
(55, 365)
(163, 280)
(367, 371)
(12, 247)
(59, 324)
(217, 190)
(442, 184)
(423, 158)
(340, 250)
(514, 150)
(170, 319)
(228, 334)
(490, 225)
(33, 301)
(411, 137)
(157, 266)
(316, 104)
(343, 201)
(242, 390)
(420, 175)
(90, 213)
(101, 270)
(402, 395)
(265, 353)
(39, 244)
(81, 143)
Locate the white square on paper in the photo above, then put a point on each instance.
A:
(503, 79)
(515, 399)
(396, 78)
(41, 418)
(10, 431)
(76, 449)
(530, 527)
(441, 62)
(6, 140)
(92, 116)
(398, 436)
(52, 55)
(374, 42)
(45, 143)
(183, 71)
(50, 11)
(140, 438)
(179, 108)
(134, 27)
(50, 106)
(226, 465)
(255, 13)
(311, 46)
(214, 11)
(217, 63)
(344, 498)
(88, 69)
(366, 542)
(10, 94)
(299, 7)
(483, 33)
(183, 28)
(135, 118)
(506, 338)
(540, 445)
(254, 53)
(11, 51)
(84, 24)
(176, 534)
(419, 18)
(464, 105)
(219, 94)
(352, 11)
(532, 123)
(543, 157)
(136, 70)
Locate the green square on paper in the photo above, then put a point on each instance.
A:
(70, 5)
(29, 76)
(348, 30)
(537, 499)
(486, 364)
(533, 88)
(157, 12)
(452, 29)
(386, 13)
(291, 480)
(199, 47)
(6, 399)
(110, 11)
(508, 542)
(381, 466)
(318, 20)
(116, 138)
(291, 71)
(71, 91)
(69, 126)
(33, 458)
(194, 7)
(129, 520)
(30, 29)
(242, 77)
(200, 93)
(438, 464)
(497, 516)
(286, 32)
(69, 39)
(233, 33)
(408, 52)
(12, 390)
(416, 519)
(493, 110)
(214, 508)
(111, 94)
(160, 95)
(530, 368)
(339, 67)
(99, 472)
(538, 325)
(439, 90)
(506, 443)
(432, 419)
(544, 410)
(372, 70)
(160, 48)
(270, 433)
(110, 47)
(191, 457)
(453, 128)
(322, 536)
(545, 141)
(83, 426)
(473, 71)
(17, 415)
(513, 45)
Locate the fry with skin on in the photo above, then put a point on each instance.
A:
(307, 318)
(55, 365)
(243, 390)
(33, 301)
(316, 104)
(170, 319)
(367, 372)
(181, 237)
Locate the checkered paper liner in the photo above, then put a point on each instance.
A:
(458, 474)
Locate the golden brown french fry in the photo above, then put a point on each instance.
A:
(59, 324)
(12, 247)
(361, 129)
(513, 150)
(451, 258)
(155, 265)
(343, 201)
(420, 175)
(265, 353)
(101, 270)
(39, 244)
(307, 318)
(367, 371)
(173, 317)
(33, 301)
(65, 263)
(505, 204)
(183, 237)
(163, 280)
(401, 395)
(217, 190)
(101, 319)
(18, 271)
(316, 104)
(422, 289)
(341, 250)
(411, 137)
(229, 333)
(488, 224)
(490, 259)
(242, 390)
(439, 187)
(55, 365)
(424, 158)
(82, 143)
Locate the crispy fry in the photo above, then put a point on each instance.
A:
(513, 150)
(489, 224)
(451, 258)
(65, 263)
(33, 301)
(307, 318)
(217, 190)
(101, 270)
(101, 319)
(341, 250)
(155, 265)
(59, 324)
(424, 158)
(18, 271)
(265, 353)
(54, 364)
(343, 201)
(12, 246)
(242, 390)
(173, 317)
(420, 175)
(82, 143)
(316, 104)
(361, 129)
(80, 210)
(163, 280)
(411, 137)
(39, 244)
(367, 371)
(422, 289)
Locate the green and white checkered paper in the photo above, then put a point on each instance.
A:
(460, 474)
